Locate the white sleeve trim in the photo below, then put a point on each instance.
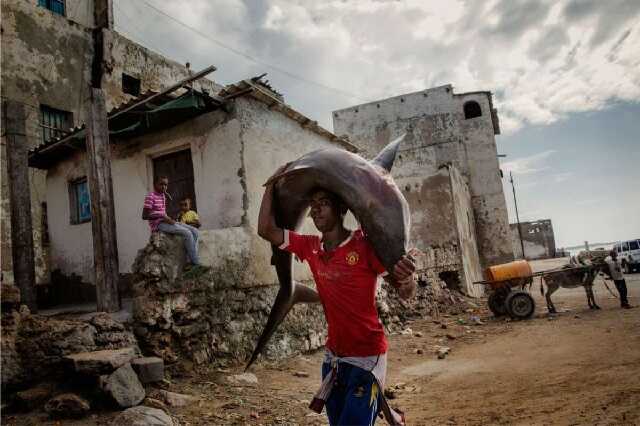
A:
(384, 274)
(285, 243)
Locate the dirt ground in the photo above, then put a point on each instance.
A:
(579, 367)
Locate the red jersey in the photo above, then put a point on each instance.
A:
(346, 281)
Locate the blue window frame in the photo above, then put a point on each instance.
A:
(79, 201)
(56, 6)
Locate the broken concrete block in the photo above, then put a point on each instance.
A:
(143, 416)
(124, 387)
(67, 405)
(100, 362)
(149, 369)
(177, 400)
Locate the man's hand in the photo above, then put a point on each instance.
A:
(403, 275)
(168, 220)
(404, 268)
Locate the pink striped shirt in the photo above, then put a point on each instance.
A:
(155, 202)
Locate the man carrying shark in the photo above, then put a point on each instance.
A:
(345, 269)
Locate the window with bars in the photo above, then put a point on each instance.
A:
(56, 6)
(54, 122)
(79, 201)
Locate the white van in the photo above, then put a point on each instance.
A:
(629, 254)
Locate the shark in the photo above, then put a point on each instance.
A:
(369, 192)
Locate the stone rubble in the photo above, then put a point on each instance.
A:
(124, 387)
(177, 400)
(143, 416)
(243, 379)
(100, 362)
(149, 369)
(67, 405)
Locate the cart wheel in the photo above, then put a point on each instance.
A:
(520, 305)
(496, 302)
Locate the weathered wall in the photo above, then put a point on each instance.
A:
(71, 245)
(42, 63)
(46, 60)
(465, 226)
(270, 140)
(154, 71)
(538, 238)
(437, 134)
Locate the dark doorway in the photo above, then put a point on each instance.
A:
(178, 168)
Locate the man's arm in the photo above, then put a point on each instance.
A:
(267, 227)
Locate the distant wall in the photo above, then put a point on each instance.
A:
(437, 134)
(538, 238)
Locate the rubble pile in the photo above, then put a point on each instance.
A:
(433, 297)
(69, 366)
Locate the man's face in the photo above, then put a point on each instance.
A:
(185, 205)
(614, 254)
(162, 185)
(323, 212)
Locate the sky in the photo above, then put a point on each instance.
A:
(565, 77)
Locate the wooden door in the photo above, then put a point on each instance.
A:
(178, 167)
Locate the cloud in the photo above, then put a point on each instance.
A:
(563, 177)
(527, 165)
(543, 59)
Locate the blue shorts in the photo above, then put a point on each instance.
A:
(354, 398)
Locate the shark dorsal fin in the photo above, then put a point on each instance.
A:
(386, 157)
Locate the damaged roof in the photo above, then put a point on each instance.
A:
(164, 111)
(161, 112)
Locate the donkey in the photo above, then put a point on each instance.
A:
(570, 276)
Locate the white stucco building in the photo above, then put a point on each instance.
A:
(220, 156)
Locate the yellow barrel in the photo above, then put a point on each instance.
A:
(507, 271)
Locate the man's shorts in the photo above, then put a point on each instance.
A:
(355, 396)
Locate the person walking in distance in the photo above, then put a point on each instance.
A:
(615, 272)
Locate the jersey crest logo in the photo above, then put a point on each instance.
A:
(352, 258)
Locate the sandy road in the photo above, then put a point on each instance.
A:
(580, 368)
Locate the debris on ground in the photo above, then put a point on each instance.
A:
(243, 379)
(443, 352)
